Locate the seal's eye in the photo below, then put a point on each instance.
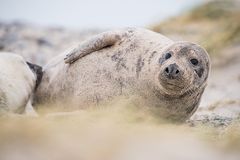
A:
(168, 55)
(194, 61)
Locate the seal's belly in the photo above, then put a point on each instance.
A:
(119, 70)
(96, 78)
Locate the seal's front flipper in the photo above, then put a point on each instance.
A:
(96, 43)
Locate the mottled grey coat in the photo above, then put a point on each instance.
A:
(127, 63)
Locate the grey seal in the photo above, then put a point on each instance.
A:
(167, 76)
(18, 80)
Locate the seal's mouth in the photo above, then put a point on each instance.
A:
(178, 87)
(171, 86)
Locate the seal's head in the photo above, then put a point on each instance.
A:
(184, 68)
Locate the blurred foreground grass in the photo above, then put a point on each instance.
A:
(215, 25)
(114, 132)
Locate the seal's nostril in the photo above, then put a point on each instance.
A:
(172, 71)
(166, 70)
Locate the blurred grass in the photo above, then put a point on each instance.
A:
(107, 132)
(214, 25)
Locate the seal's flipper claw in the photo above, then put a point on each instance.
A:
(70, 58)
